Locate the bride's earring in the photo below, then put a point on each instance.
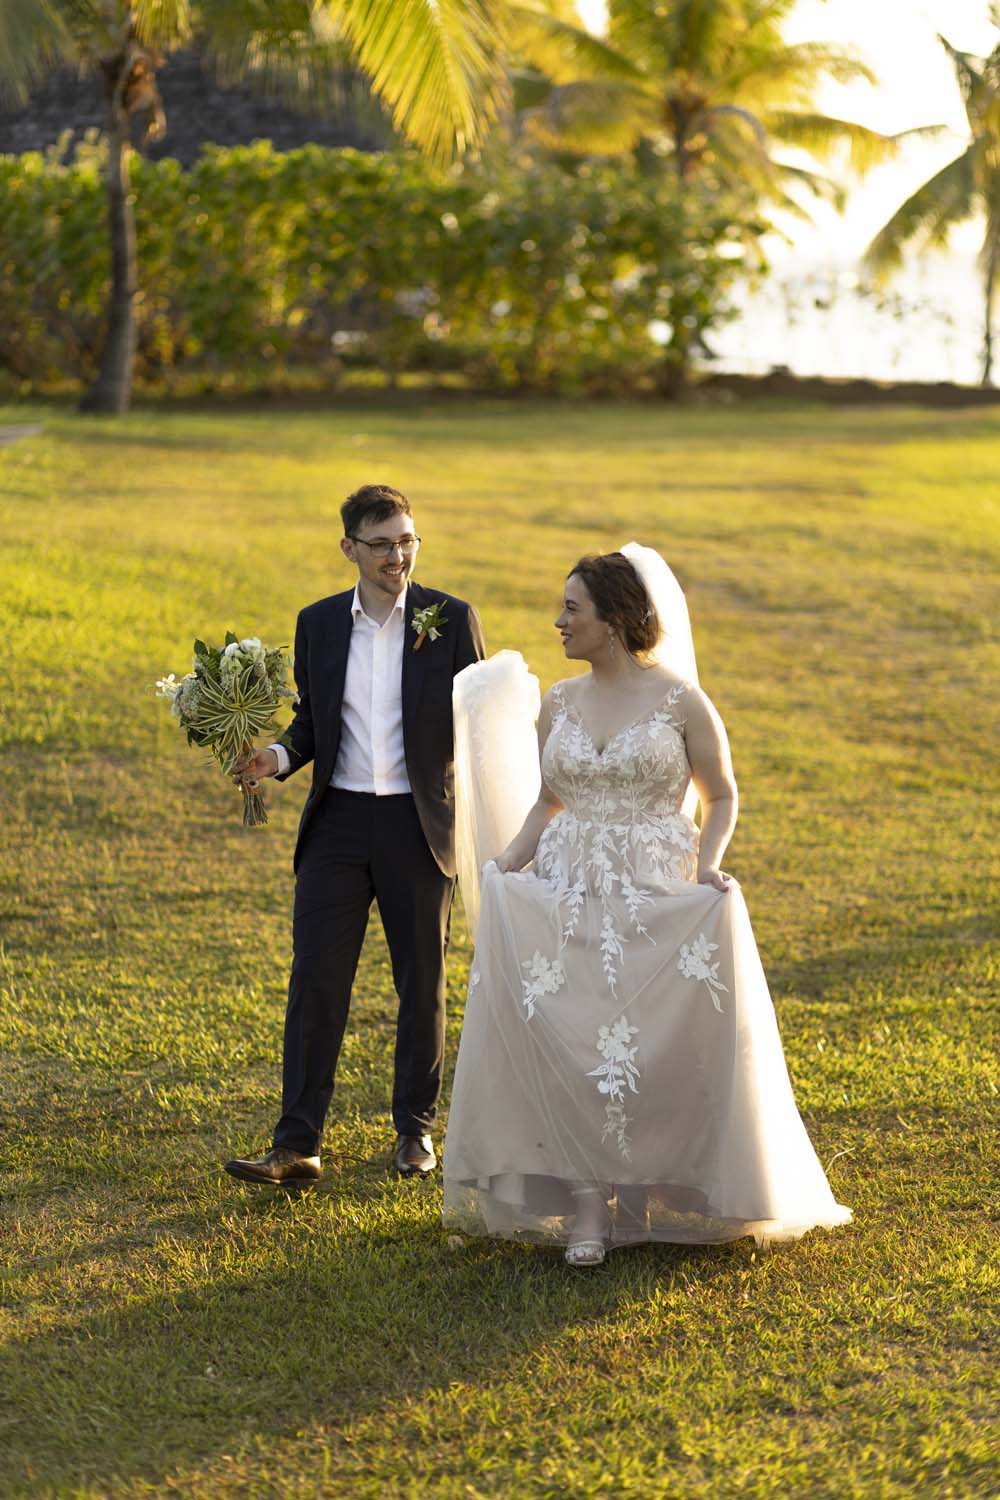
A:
(611, 642)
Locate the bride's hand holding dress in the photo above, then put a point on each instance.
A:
(711, 763)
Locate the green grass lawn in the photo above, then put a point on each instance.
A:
(166, 1332)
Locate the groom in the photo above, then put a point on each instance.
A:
(374, 717)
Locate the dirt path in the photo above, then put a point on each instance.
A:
(12, 434)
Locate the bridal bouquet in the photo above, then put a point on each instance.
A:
(227, 700)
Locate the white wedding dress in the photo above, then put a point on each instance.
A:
(619, 1029)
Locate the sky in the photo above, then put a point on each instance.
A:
(898, 39)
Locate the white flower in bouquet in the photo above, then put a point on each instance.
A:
(228, 700)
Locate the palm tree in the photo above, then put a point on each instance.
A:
(708, 90)
(968, 185)
(695, 86)
(433, 63)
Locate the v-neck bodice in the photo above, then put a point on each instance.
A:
(566, 704)
(622, 803)
(643, 764)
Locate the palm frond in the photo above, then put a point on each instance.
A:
(825, 135)
(309, 77)
(232, 27)
(817, 184)
(564, 51)
(703, 32)
(632, 30)
(596, 117)
(33, 37)
(766, 13)
(99, 28)
(163, 23)
(989, 254)
(783, 177)
(790, 73)
(684, 37)
(530, 89)
(755, 175)
(743, 158)
(436, 63)
(716, 112)
(989, 120)
(969, 73)
(287, 50)
(927, 215)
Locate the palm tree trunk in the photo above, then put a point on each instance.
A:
(992, 268)
(112, 389)
(673, 377)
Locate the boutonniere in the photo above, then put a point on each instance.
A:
(427, 623)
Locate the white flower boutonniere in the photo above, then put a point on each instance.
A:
(427, 623)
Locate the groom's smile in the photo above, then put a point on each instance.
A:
(384, 553)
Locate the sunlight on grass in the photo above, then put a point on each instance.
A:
(168, 1333)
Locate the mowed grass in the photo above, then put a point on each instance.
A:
(166, 1332)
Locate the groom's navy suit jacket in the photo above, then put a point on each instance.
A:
(322, 639)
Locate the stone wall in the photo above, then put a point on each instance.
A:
(197, 108)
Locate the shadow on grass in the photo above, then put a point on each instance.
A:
(647, 419)
(309, 1324)
(941, 951)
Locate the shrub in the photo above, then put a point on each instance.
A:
(523, 277)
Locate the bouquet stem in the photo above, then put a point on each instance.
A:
(254, 811)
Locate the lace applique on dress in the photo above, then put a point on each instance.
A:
(620, 843)
(543, 978)
(618, 1072)
(621, 835)
(696, 962)
(591, 1054)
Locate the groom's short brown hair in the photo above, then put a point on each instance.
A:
(372, 502)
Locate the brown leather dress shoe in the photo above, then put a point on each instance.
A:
(276, 1168)
(415, 1156)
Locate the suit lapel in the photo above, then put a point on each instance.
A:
(416, 598)
(343, 624)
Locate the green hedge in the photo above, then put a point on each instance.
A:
(522, 277)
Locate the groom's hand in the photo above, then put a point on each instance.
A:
(253, 768)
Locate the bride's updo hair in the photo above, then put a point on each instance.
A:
(620, 599)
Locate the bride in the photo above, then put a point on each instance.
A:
(620, 1076)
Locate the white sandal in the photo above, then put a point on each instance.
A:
(585, 1253)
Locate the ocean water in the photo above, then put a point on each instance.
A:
(818, 318)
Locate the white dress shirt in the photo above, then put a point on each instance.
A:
(371, 757)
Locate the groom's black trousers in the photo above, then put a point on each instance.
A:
(361, 847)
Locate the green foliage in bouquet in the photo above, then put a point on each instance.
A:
(229, 698)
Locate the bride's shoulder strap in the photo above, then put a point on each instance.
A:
(695, 704)
(678, 701)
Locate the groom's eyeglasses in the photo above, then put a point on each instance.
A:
(382, 549)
